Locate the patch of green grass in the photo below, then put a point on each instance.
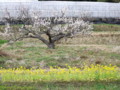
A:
(13, 87)
(62, 86)
(62, 55)
(45, 58)
(52, 63)
(88, 86)
(106, 27)
(113, 55)
(2, 61)
(20, 43)
(3, 41)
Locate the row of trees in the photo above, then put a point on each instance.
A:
(85, 0)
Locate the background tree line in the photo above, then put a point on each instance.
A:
(85, 0)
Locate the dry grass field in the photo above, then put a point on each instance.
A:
(101, 47)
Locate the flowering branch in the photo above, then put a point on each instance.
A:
(55, 28)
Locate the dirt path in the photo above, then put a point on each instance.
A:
(106, 48)
(82, 45)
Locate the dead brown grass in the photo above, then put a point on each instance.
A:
(4, 54)
(97, 48)
(106, 38)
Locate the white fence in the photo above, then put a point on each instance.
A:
(74, 9)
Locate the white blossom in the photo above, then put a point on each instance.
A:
(55, 28)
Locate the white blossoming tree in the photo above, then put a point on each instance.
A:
(55, 28)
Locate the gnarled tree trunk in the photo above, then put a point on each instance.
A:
(51, 45)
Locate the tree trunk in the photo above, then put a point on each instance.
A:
(51, 45)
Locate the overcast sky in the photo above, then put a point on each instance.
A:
(17, 0)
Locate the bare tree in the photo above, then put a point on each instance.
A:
(55, 28)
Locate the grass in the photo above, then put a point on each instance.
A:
(3, 41)
(102, 47)
(36, 55)
(2, 59)
(106, 27)
(99, 38)
(62, 86)
(17, 87)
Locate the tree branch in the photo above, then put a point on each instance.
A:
(60, 36)
(40, 38)
(49, 36)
